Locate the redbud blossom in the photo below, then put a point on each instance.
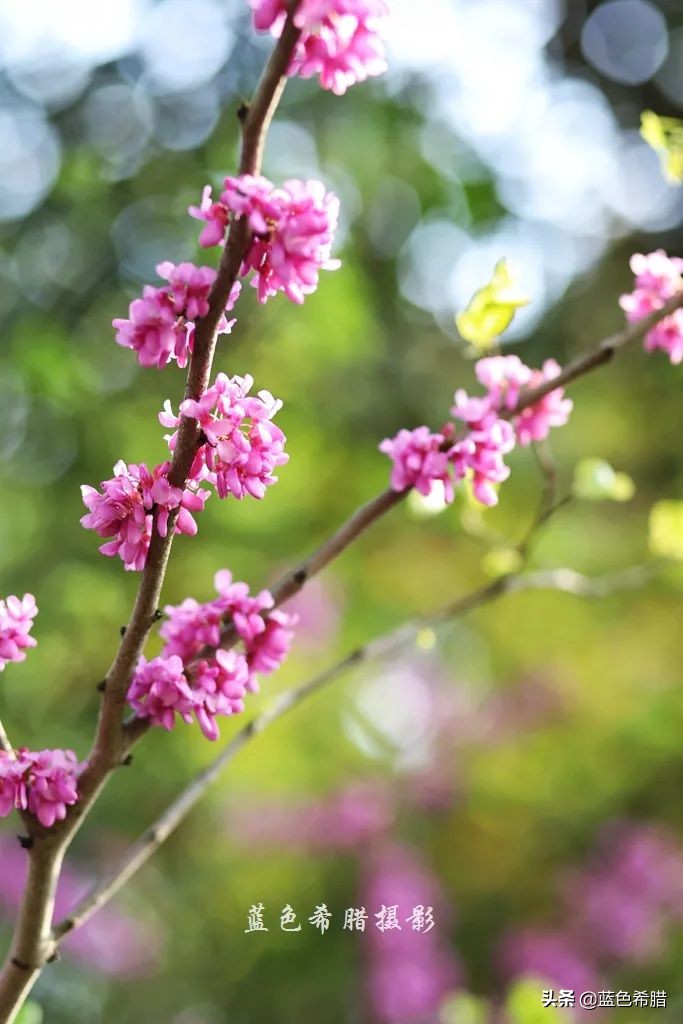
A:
(658, 278)
(212, 687)
(269, 648)
(16, 622)
(44, 783)
(292, 231)
(419, 461)
(266, 635)
(339, 41)
(123, 510)
(480, 455)
(242, 446)
(161, 323)
(216, 217)
(535, 422)
(189, 682)
(422, 458)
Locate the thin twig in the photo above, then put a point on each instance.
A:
(564, 580)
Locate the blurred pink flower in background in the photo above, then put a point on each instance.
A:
(344, 821)
(551, 958)
(318, 607)
(408, 972)
(628, 897)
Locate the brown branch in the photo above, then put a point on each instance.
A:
(604, 353)
(564, 580)
(364, 517)
(32, 945)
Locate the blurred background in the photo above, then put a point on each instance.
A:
(521, 770)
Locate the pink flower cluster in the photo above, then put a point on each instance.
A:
(504, 377)
(123, 510)
(161, 323)
(242, 447)
(292, 231)
(658, 278)
(339, 41)
(187, 681)
(16, 623)
(422, 458)
(44, 783)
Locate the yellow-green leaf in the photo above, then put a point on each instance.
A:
(596, 480)
(665, 135)
(666, 529)
(501, 561)
(492, 308)
(464, 1008)
(525, 1003)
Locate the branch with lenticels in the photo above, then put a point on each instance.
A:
(32, 943)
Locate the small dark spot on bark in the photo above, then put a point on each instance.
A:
(122, 631)
(158, 615)
(21, 964)
(25, 842)
(300, 577)
(101, 687)
(128, 760)
(242, 111)
(55, 956)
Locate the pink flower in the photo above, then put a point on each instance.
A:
(340, 39)
(51, 781)
(246, 612)
(218, 680)
(164, 687)
(553, 410)
(667, 336)
(123, 510)
(44, 783)
(421, 457)
(190, 626)
(161, 323)
(153, 329)
(216, 217)
(221, 684)
(190, 287)
(481, 455)
(419, 461)
(658, 278)
(16, 622)
(269, 648)
(293, 229)
(503, 377)
(159, 690)
(12, 784)
(242, 447)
